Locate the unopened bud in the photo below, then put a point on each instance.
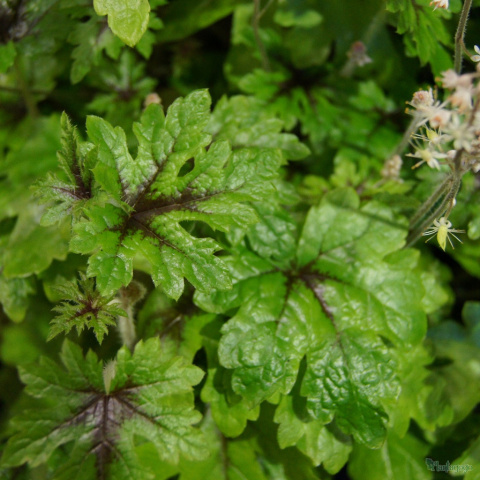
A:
(152, 98)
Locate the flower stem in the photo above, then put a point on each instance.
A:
(460, 34)
(442, 189)
(412, 128)
(450, 185)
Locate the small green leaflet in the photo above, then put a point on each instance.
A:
(341, 310)
(128, 19)
(178, 176)
(150, 400)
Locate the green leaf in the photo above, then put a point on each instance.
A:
(150, 400)
(7, 56)
(334, 385)
(457, 379)
(23, 343)
(31, 148)
(245, 122)
(468, 462)
(424, 31)
(128, 19)
(83, 307)
(32, 248)
(253, 456)
(14, 293)
(183, 18)
(325, 445)
(338, 305)
(228, 411)
(397, 459)
(91, 39)
(235, 459)
(160, 189)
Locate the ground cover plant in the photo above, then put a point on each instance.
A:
(239, 239)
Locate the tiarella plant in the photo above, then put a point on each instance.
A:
(215, 240)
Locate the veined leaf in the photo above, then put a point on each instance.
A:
(338, 305)
(149, 398)
(177, 176)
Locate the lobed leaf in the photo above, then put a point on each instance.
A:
(150, 399)
(177, 176)
(337, 305)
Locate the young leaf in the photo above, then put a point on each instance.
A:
(338, 305)
(70, 193)
(150, 400)
(84, 307)
(128, 19)
(154, 193)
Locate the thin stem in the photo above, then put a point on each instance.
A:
(459, 36)
(442, 189)
(257, 15)
(264, 9)
(445, 205)
(412, 128)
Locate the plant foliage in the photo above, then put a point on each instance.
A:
(212, 257)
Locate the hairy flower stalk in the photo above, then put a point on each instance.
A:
(449, 135)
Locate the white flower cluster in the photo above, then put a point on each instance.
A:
(439, 4)
(391, 169)
(451, 127)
